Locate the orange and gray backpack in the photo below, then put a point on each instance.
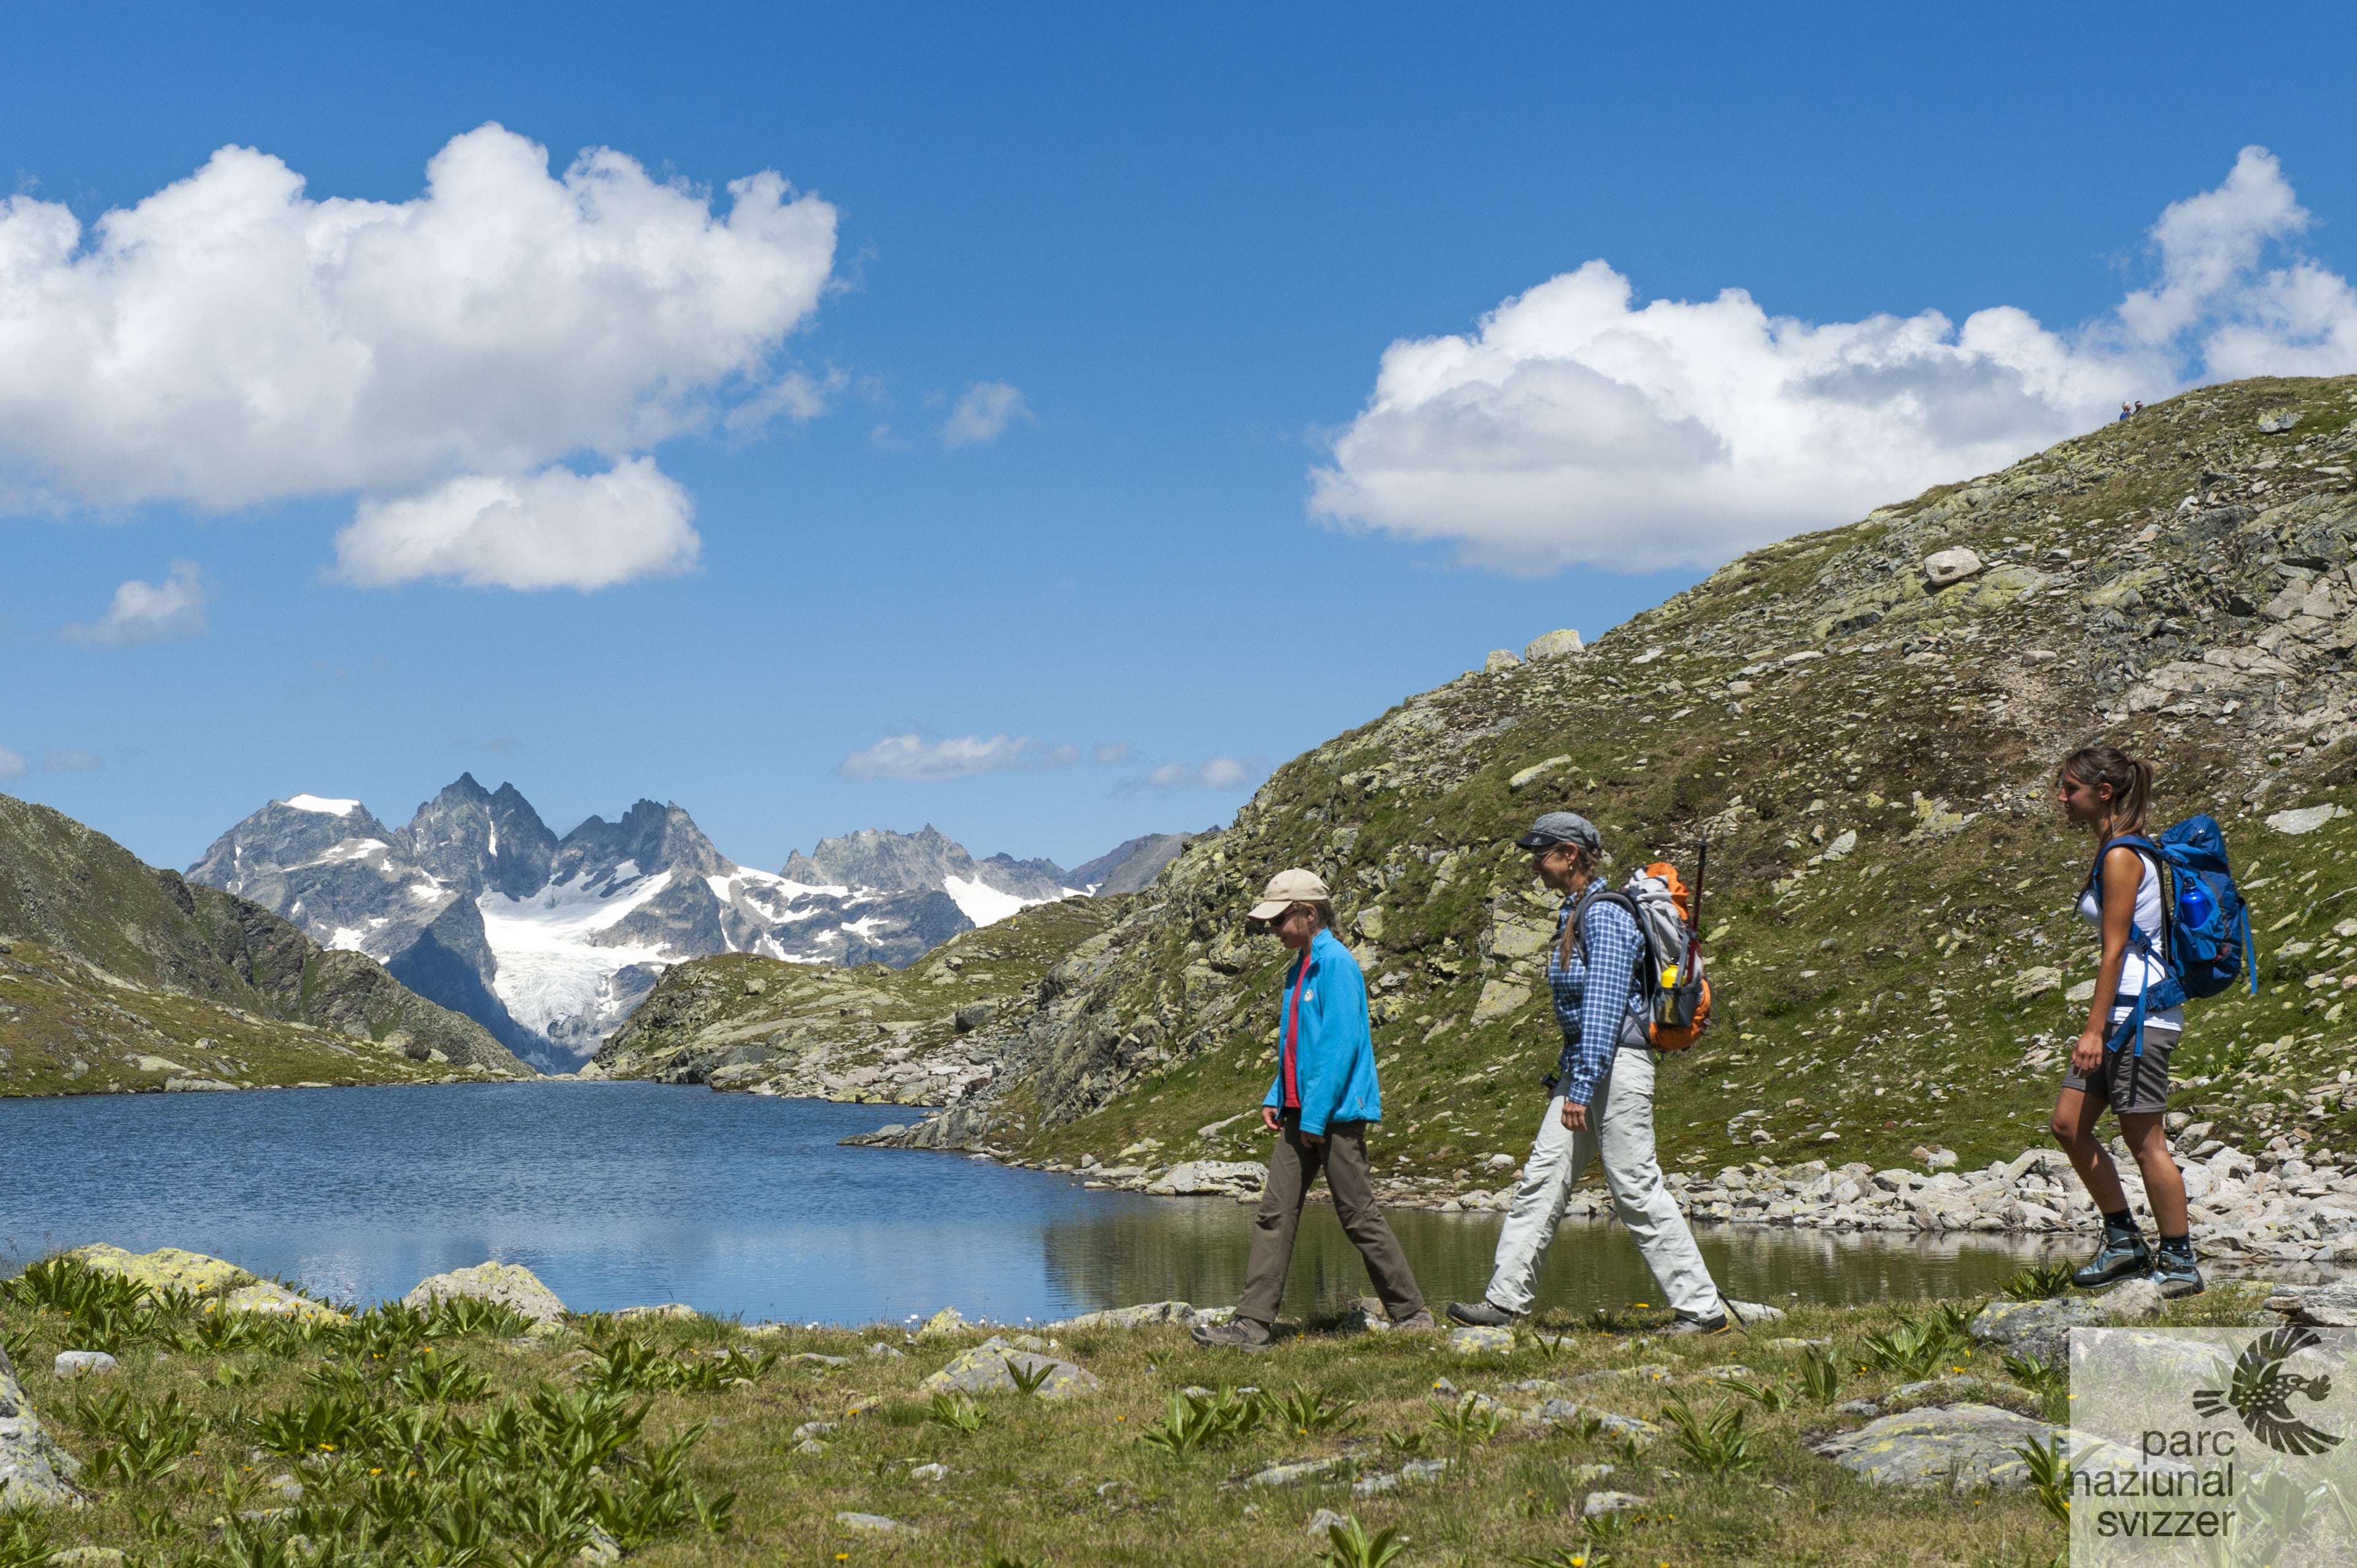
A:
(1676, 991)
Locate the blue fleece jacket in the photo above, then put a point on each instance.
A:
(1334, 1060)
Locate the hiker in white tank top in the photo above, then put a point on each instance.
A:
(2139, 972)
(2113, 1067)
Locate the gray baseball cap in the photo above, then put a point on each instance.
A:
(1561, 827)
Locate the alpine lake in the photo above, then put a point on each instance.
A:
(630, 1194)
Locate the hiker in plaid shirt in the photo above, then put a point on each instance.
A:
(1604, 1100)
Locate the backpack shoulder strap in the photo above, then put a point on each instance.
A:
(1636, 918)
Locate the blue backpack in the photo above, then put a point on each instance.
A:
(2208, 941)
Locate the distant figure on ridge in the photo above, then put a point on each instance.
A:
(1604, 1102)
(1323, 1096)
(2125, 411)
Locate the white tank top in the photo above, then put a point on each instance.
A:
(2137, 972)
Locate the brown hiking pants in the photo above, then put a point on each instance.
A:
(1291, 1166)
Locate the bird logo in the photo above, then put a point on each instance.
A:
(2262, 1393)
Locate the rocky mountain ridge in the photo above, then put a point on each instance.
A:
(1864, 723)
(114, 975)
(549, 942)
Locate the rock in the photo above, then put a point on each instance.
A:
(948, 1320)
(816, 1359)
(1425, 1470)
(2035, 982)
(166, 1268)
(1377, 1485)
(600, 1551)
(1587, 1474)
(810, 1429)
(1499, 999)
(1500, 658)
(1960, 1391)
(1940, 1159)
(2275, 421)
(879, 1351)
(1537, 771)
(1800, 1347)
(675, 1311)
(1841, 846)
(2329, 1305)
(2307, 820)
(82, 1364)
(272, 1299)
(1293, 1475)
(86, 1557)
(285, 1487)
(2132, 1301)
(34, 1471)
(1203, 1177)
(1752, 1311)
(1137, 1317)
(810, 1445)
(872, 1524)
(1326, 1520)
(196, 1086)
(983, 1370)
(1467, 1341)
(1560, 644)
(1598, 1504)
(2038, 1330)
(1942, 568)
(511, 1284)
(930, 1473)
(1566, 1413)
(1960, 1447)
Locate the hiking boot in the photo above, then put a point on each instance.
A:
(2117, 1257)
(1686, 1323)
(1419, 1322)
(1235, 1334)
(1481, 1315)
(2176, 1274)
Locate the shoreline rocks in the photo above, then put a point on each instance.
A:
(2268, 1208)
(34, 1471)
(509, 1285)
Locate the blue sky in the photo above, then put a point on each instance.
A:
(1193, 520)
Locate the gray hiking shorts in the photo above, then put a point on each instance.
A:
(2131, 1085)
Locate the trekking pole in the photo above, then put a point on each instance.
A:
(1702, 864)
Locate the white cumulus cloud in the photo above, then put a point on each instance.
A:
(170, 611)
(230, 340)
(911, 755)
(1219, 773)
(983, 414)
(1577, 424)
(555, 529)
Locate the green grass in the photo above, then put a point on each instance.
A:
(519, 1452)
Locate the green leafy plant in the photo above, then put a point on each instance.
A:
(144, 1441)
(2037, 1376)
(2039, 1281)
(438, 1380)
(1471, 1420)
(1349, 1546)
(1550, 1345)
(957, 1412)
(1717, 1443)
(23, 1543)
(2050, 1477)
(1406, 1445)
(1195, 1420)
(1029, 1376)
(1821, 1378)
(454, 1316)
(997, 1559)
(1914, 1350)
(1565, 1557)
(1310, 1413)
(1769, 1395)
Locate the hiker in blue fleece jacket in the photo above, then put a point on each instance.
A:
(1320, 1104)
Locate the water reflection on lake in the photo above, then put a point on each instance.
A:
(623, 1194)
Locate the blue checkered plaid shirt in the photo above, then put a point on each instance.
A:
(1603, 966)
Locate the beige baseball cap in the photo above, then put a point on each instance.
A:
(1287, 889)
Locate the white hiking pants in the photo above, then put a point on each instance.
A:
(1620, 1121)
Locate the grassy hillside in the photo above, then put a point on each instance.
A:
(936, 1030)
(114, 975)
(1889, 886)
